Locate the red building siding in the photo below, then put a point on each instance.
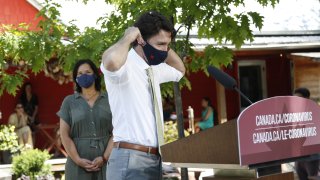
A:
(278, 79)
(17, 11)
(49, 92)
(232, 97)
(278, 70)
(202, 86)
(50, 95)
(278, 75)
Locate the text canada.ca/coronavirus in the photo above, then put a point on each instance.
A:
(286, 118)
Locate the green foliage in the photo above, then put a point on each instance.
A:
(171, 131)
(26, 49)
(31, 163)
(211, 19)
(8, 139)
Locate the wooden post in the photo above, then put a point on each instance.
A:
(221, 101)
(180, 121)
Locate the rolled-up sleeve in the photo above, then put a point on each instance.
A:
(64, 112)
(115, 77)
(166, 73)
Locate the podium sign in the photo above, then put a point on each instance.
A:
(278, 128)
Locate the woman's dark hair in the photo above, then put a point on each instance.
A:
(150, 24)
(26, 84)
(207, 99)
(95, 72)
(23, 92)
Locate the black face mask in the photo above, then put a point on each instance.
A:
(153, 55)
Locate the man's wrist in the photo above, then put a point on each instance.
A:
(105, 160)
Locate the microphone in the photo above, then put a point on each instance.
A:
(227, 81)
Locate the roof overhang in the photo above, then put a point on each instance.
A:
(314, 56)
(271, 41)
(35, 4)
(286, 46)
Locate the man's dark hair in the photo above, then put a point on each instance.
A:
(94, 69)
(150, 24)
(303, 91)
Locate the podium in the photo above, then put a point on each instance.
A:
(269, 132)
(218, 145)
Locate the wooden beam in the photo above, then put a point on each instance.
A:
(221, 102)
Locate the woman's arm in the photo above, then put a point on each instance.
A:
(99, 161)
(71, 148)
(35, 112)
(108, 150)
(13, 121)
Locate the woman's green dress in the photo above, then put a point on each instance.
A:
(90, 129)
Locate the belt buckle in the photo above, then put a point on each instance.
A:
(149, 150)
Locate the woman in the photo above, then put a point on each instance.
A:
(206, 116)
(30, 103)
(19, 119)
(85, 125)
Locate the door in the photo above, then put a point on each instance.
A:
(252, 81)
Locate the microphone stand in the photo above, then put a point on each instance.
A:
(242, 95)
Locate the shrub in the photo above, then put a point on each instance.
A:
(8, 139)
(171, 132)
(31, 163)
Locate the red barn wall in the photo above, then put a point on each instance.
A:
(278, 75)
(232, 97)
(278, 70)
(49, 92)
(202, 86)
(50, 95)
(18, 11)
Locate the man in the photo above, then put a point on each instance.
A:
(306, 169)
(135, 98)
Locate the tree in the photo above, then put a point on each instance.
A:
(63, 44)
(210, 18)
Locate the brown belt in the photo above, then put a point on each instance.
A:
(146, 149)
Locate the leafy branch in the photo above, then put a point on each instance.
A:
(54, 42)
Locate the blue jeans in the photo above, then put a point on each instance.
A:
(130, 164)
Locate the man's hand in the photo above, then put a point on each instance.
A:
(133, 34)
(115, 57)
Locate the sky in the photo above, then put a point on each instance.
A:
(86, 15)
(288, 15)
